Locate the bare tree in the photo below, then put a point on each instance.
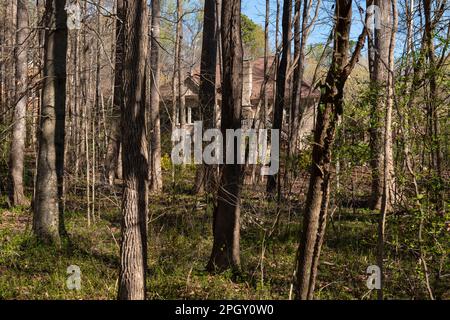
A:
(301, 33)
(226, 225)
(207, 91)
(17, 195)
(272, 180)
(112, 154)
(388, 164)
(47, 219)
(156, 182)
(379, 56)
(133, 250)
(433, 126)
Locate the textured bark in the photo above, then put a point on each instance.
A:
(226, 225)
(112, 154)
(17, 196)
(281, 82)
(178, 101)
(379, 77)
(156, 182)
(180, 82)
(388, 165)
(207, 91)
(329, 111)
(47, 220)
(133, 251)
(301, 32)
(296, 81)
(266, 64)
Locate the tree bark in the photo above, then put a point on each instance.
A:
(301, 33)
(226, 225)
(207, 91)
(379, 78)
(281, 82)
(180, 75)
(329, 111)
(388, 165)
(133, 251)
(47, 220)
(432, 111)
(112, 154)
(156, 182)
(17, 195)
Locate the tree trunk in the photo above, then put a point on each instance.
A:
(300, 37)
(379, 77)
(226, 225)
(266, 64)
(207, 91)
(329, 111)
(432, 112)
(180, 75)
(112, 154)
(17, 195)
(156, 182)
(47, 220)
(388, 165)
(133, 251)
(281, 82)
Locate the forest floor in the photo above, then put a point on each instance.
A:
(180, 240)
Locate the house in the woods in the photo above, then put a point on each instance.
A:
(253, 92)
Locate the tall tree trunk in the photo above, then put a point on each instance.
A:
(379, 77)
(296, 81)
(17, 195)
(388, 165)
(156, 182)
(47, 220)
(301, 33)
(112, 154)
(266, 64)
(281, 83)
(180, 75)
(133, 251)
(329, 111)
(226, 225)
(432, 112)
(207, 91)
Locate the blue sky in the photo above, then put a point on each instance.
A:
(255, 9)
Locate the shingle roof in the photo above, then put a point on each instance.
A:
(258, 81)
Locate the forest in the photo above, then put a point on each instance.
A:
(224, 150)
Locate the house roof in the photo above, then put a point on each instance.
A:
(192, 82)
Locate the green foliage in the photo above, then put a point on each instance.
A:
(252, 37)
(166, 163)
(180, 240)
